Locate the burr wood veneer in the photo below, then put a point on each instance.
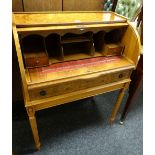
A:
(73, 64)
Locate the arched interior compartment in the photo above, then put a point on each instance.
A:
(71, 46)
(114, 36)
(34, 51)
(99, 41)
(53, 45)
(33, 44)
(77, 46)
(112, 42)
(75, 38)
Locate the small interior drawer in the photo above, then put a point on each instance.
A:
(78, 84)
(36, 61)
(34, 51)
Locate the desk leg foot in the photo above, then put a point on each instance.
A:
(118, 102)
(33, 124)
(121, 123)
(110, 121)
(38, 146)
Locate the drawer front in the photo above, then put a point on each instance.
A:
(36, 62)
(114, 51)
(75, 85)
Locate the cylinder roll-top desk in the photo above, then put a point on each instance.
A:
(67, 56)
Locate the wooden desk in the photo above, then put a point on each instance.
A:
(72, 43)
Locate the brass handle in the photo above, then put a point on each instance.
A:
(42, 93)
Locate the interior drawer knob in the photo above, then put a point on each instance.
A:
(82, 29)
(120, 75)
(42, 93)
(37, 61)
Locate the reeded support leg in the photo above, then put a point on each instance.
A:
(118, 102)
(33, 124)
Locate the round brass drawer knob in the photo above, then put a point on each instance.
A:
(120, 75)
(42, 93)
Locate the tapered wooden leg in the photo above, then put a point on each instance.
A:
(33, 123)
(118, 102)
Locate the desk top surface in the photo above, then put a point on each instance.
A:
(66, 18)
(76, 68)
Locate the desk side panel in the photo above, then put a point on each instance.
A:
(20, 61)
(131, 40)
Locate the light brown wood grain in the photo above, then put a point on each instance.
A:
(66, 18)
(20, 61)
(33, 124)
(118, 102)
(42, 5)
(62, 86)
(131, 40)
(16, 78)
(78, 84)
(61, 30)
(80, 5)
(74, 96)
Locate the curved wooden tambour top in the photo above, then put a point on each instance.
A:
(131, 40)
(66, 18)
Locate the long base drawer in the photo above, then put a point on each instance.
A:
(87, 81)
